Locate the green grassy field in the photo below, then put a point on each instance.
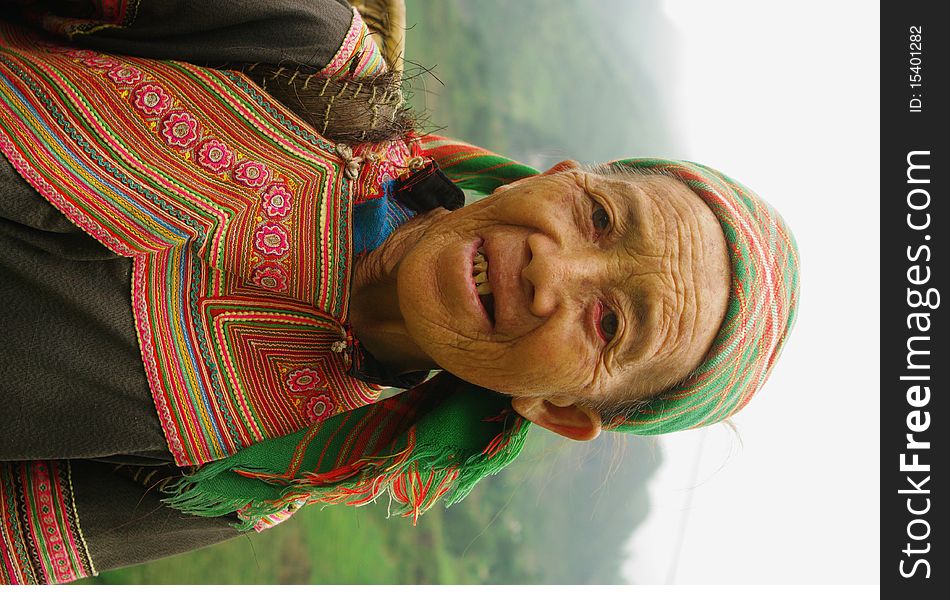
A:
(560, 514)
(335, 545)
(539, 81)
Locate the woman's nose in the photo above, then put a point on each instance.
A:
(557, 274)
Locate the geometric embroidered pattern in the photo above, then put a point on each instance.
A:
(236, 213)
(40, 538)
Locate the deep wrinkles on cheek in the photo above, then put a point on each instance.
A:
(591, 377)
(573, 378)
(438, 329)
(586, 371)
(571, 373)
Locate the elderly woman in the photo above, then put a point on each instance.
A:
(292, 246)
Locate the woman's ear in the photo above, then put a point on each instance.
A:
(564, 165)
(570, 420)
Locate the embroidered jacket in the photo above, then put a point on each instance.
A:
(238, 217)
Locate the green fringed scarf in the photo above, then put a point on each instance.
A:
(433, 442)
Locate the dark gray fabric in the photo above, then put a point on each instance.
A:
(124, 522)
(72, 384)
(298, 32)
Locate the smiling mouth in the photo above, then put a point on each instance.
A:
(482, 285)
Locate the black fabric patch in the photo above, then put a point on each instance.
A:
(428, 188)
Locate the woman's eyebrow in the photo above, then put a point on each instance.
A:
(642, 217)
(631, 208)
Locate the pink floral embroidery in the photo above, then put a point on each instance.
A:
(303, 379)
(151, 99)
(271, 239)
(276, 201)
(180, 129)
(251, 173)
(100, 62)
(124, 75)
(215, 156)
(318, 407)
(270, 276)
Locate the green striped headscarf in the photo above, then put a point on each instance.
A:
(763, 304)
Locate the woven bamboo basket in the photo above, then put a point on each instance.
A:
(386, 20)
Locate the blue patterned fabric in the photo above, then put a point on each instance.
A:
(376, 219)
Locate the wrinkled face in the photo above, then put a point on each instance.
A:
(601, 286)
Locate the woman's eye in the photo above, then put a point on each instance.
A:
(608, 324)
(601, 219)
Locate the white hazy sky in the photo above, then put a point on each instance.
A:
(784, 96)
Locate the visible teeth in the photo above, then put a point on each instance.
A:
(483, 288)
(479, 267)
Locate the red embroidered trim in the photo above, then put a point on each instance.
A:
(40, 538)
